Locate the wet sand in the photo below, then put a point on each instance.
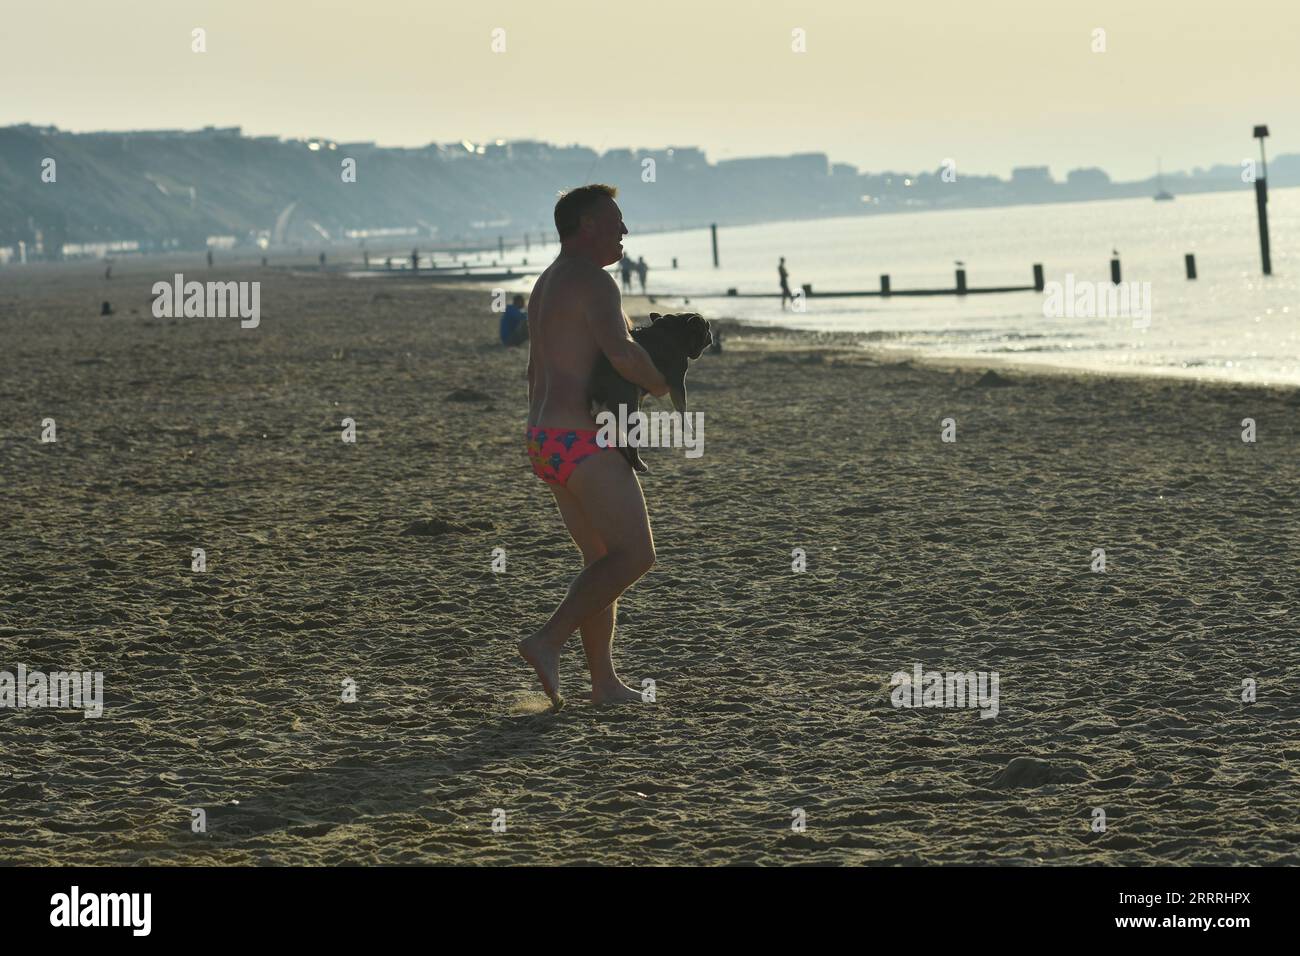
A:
(372, 563)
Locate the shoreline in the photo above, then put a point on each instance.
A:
(859, 342)
(638, 306)
(761, 335)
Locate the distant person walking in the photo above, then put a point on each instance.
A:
(415, 260)
(625, 266)
(785, 283)
(641, 270)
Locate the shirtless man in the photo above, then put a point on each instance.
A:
(575, 312)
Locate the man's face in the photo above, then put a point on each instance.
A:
(607, 232)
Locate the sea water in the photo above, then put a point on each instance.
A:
(1230, 323)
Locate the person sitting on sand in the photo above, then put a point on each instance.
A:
(514, 323)
(574, 314)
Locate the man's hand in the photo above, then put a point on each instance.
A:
(660, 390)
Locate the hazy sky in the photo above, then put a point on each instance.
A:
(901, 85)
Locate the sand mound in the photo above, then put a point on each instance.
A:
(467, 395)
(438, 525)
(1031, 772)
(992, 379)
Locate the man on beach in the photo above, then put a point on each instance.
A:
(785, 283)
(575, 313)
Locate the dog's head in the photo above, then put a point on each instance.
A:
(688, 329)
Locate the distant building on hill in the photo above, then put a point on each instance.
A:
(1089, 177)
(1031, 176)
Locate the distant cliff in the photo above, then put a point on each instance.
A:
(172, 188)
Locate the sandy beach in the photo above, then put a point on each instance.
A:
(370, 564)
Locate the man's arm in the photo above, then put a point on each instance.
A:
(608, 326)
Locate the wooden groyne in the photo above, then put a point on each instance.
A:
(886, 290)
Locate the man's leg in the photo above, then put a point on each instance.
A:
(598, 630)
(610, 497)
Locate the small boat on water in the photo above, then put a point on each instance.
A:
(1163, 195)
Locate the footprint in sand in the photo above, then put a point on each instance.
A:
(527, 703)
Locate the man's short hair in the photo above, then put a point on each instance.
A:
(576, 203)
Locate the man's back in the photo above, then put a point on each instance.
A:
(563, 348)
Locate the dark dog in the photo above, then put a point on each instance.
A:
(672, 341)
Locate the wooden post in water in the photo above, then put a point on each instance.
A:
(1190, 261)
(1261, 208)
(1114, 270)
(1261, 201)
(714, 229)
(884, 285)
(1039, 284)
(961, 281)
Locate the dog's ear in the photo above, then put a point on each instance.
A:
(655, 317)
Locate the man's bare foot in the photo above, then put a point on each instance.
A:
(616, 693)
(545, 658)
